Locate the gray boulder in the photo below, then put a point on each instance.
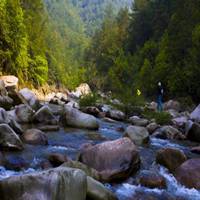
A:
(151, 179)
(171, 104)
(35, 137)
(82, 90)
(88, 170)
(44, 115)
(138, 121)
(116, 115)
(180, 121)
(22, 114)
(188, 173)
(10, 81)
(139, 135)
(54, 184)
(169, 132)
(29, 97)
(113, 159)
(16, 127)
(97, 191)
(170, 158)
(193, 133)
(195, 115)
(75, 118)
(152, 127)
(6, 102)
(9, 139)
(4, 117)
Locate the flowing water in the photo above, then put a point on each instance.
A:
(68, 141)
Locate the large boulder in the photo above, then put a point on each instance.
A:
(6, 102)
(139, 135)
(180, 122)
(173, 113)
(169, 132)
(16, 127)
(171, 104)
(75, 118)
(54, 184)
(29, 97)
(44, 115)
(82, 90)
(17, 97)
(57, 159)
(91, 110)
(79, 165)
(170, 158)
(10, 82)
(97, 191)
(4, 117)
(151, 179)
(3, 90)
(195, 115)
(9, 139)
(116, 115)
(194, 133)
(188, 173)
(135, 120)
(35, 137)
(113, 159)
(22, 114)
(152, 127)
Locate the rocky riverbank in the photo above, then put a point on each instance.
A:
(52, 148)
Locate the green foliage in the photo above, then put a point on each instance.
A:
(13, 39)
(93, 12)
(162, 118)
(88, 100)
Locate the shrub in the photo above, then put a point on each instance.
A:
(162, 118)
(88, 100)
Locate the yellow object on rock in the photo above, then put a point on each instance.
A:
(139, 92)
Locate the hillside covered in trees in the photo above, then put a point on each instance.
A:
(113, 45)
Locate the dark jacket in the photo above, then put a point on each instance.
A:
(160, 91)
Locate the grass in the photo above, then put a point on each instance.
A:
(162, 118)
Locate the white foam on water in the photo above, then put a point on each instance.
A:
(60, 148)
(8, 173)
(177, 189)
(126, 190)
(165, 143)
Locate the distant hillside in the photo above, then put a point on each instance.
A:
(92, 12)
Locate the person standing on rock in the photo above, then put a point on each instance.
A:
(160, 93)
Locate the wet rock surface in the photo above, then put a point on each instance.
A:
(170, 158)
(114, 160)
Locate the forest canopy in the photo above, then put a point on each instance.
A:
(113, 45)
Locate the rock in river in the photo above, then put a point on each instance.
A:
(170, 158)
(75, 118)
(54, 184)
(188, 173)
(9, 139)
(113, 159)
(97, 191)
(139, 135)
(35, 137)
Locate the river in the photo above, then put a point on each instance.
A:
(69, 140)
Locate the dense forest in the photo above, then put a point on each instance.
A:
(113, 45)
